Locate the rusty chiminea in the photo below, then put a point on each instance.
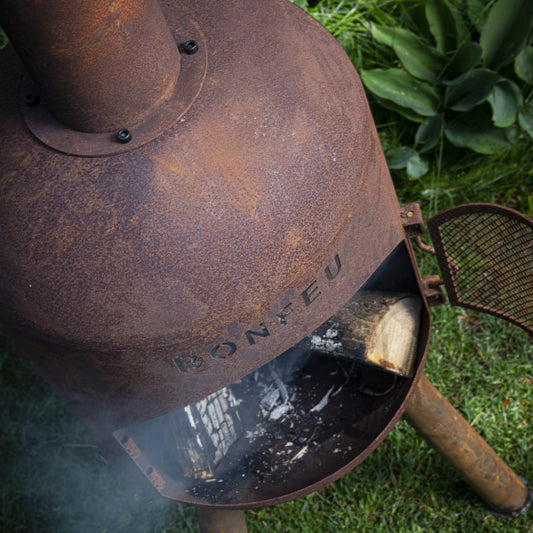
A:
(195, 207)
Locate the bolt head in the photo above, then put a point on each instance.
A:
(31, 99)
(123, 136)
(190, 47)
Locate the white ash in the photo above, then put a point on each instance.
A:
(259, 431)
(228, 394)
(268, 401)
(278, 398)
(338, 391)
(333, 333)
(323, 402)
(279, 411)
(279, 383)
(325, 345)
(328, 341)
(275, 402)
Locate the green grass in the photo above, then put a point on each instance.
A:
(53, 479)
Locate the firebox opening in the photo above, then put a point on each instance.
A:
(303, 419)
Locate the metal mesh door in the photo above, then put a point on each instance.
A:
(485, 254)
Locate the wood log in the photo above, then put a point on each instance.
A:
(381, 330)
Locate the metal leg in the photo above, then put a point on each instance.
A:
(434, 418)
(214, 520)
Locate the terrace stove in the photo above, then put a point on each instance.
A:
(203, 252)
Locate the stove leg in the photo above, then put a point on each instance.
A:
(434, 418)
(214, 520)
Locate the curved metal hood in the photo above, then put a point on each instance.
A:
(146, 279)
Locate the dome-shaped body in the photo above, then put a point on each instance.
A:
(145, 280)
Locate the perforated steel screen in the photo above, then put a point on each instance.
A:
(485, 254)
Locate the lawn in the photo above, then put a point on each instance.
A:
(53, 479)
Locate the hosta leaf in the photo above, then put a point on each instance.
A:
(525, 119)
(523, 65)
(464, 27)
(398, 87)
(477, 11)
(512, 134)
(506, 31)
(417, 167)
(462, 61)
(405, 157)
(429, 132)
(505, 99)
(475, 130)
(399, 157)
(442, 25)
(471, 90)
(407, 113)
(415, 17)
(347, 41)
(382, 34)
(416, 56)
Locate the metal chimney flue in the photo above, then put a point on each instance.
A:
(99, 66)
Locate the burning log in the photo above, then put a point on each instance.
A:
(204, 431)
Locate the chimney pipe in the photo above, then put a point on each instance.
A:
(100, 65)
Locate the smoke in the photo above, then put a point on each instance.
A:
(53, 479)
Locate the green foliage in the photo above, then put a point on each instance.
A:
(3, 39)
(463, 71)
(505, 32)
(398, 87)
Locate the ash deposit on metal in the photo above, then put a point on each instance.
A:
(279, 413)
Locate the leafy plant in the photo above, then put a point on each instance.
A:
(3, 39)
(464, 72)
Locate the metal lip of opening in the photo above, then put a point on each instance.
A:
(340, 411)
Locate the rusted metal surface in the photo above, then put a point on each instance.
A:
(432, 290)
(413, 223)
(484, 253)
(100, 66)
(59, 136)
(451, 435)
(221, 521)
(412, 220)
(142, 282)
(423, 246)
(155, 277)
